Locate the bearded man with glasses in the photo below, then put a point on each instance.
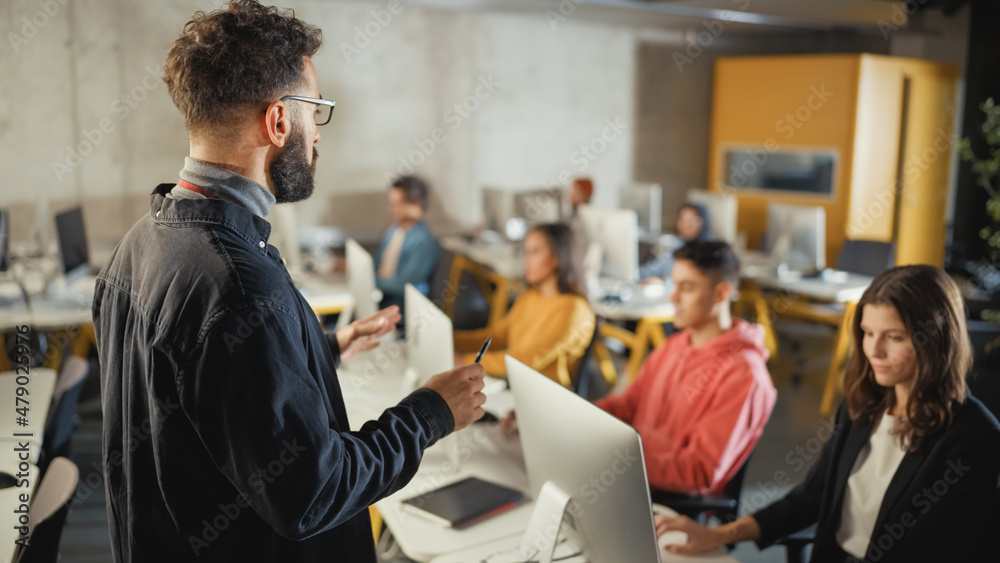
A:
(225, 431)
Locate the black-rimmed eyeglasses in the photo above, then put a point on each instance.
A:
(324, 108)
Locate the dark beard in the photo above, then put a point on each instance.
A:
(291, 173)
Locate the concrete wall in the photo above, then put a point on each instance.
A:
(467, 98)
(85, 117)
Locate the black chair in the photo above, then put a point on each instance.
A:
(61, 423)
(582, 382)
(48, 511)
(866, 257)
(726, 507)
(984, 381)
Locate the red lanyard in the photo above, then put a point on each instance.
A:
(189, 186)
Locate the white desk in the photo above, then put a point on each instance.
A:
(499, 546)
(9, 500)
(422, 539)
(496, 547)
(326, 294)
(848, 288)
(40, 389)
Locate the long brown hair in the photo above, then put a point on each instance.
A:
(931, 308)
(563, 246)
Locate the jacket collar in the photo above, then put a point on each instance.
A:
(243, 222)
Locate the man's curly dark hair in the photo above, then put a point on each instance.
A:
(227, 62)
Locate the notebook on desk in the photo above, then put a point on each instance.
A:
(464, 502)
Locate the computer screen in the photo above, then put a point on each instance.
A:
(538, 206)
(429, 342)
(512, 212)
(284, 235)
(4, 239)
(803, 229)
(722, 213)
(591, 457)
(616, 233)
(361, 280)
(647, 201)
(72, 243)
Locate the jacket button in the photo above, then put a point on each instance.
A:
(262, 244)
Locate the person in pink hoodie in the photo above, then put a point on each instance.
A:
(701, 400)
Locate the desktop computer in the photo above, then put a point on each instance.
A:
(585, 470)
(512, 212)
(429, 343)
(646, 199)
(285, 238)
(614, 233)
(361, 280)
(72, 238)
(798, 234)
(722, 213)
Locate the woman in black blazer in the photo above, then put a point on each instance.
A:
(912, 471)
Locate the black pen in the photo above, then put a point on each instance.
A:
(482, 350)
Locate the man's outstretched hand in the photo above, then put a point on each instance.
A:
(364, 334)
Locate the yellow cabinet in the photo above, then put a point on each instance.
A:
(867, 137)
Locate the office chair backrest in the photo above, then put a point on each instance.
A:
(865, 257)
(60, 425)
(47, 514)
(734, 488)
(581, 381)
(984, 381)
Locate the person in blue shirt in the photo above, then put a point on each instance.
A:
(408, 252)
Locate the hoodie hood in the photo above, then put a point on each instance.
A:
(743, 336)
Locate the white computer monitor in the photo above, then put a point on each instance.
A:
(430, 345)
(722, 212)
(578, 454)
(361, 280)
(537, 206)
(646, 199)
(74, 253)
(615, 232)
(799, 233)
(512, 212)
(284, 235)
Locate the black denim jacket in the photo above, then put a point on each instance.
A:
(225, 432)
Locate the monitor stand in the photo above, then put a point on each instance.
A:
(544, 527)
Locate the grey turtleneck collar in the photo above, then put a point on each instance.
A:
(224, 184)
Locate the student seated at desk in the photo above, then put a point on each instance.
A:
(702, 399)
(408, 252)
(911, 472)
(692, 224)
(551, 324)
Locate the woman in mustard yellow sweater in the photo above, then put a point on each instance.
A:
(551, 324)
